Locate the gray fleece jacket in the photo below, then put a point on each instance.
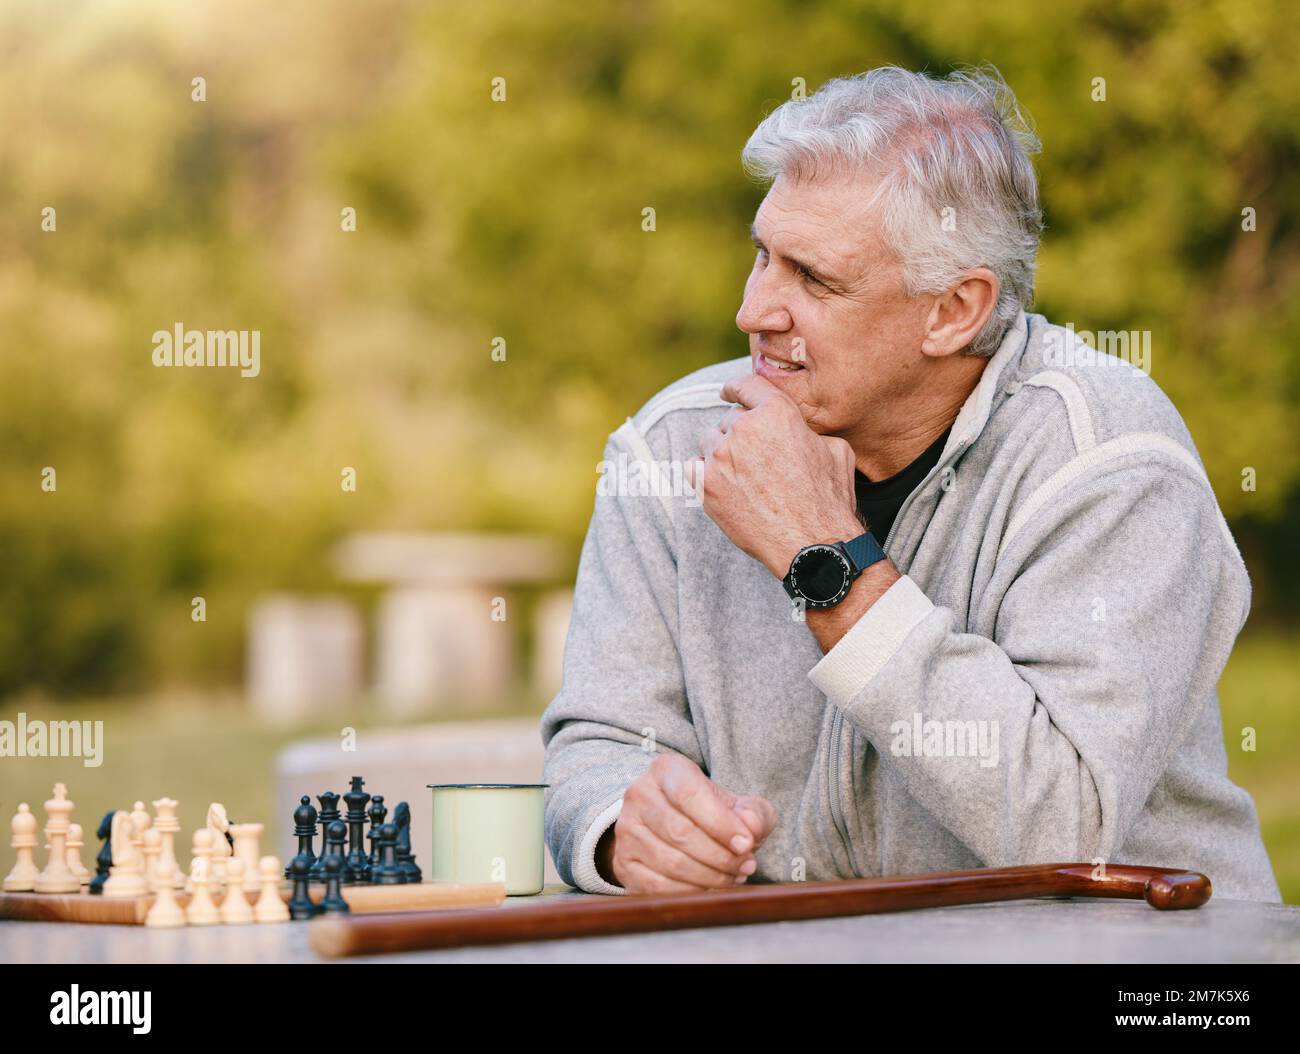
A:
(1039, 686)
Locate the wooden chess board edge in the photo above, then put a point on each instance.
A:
(131, 911)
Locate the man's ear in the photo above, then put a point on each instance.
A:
(957, 316)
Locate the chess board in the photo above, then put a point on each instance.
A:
(130, 911)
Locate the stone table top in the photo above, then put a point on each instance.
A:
(1075, 930)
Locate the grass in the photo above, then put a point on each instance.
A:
(203, 749)
(1260, 689)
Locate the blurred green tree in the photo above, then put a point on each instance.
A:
(521, 220)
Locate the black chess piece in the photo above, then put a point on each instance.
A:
(377, 815)
(304, 826)
(405, 858)
(300, 905)
(333, 903)
(356, 868)
(334, 839)
(329, 812)
(105, 858)
(388, 872)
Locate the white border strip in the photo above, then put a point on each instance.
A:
(1076, 407)
(633, 437)
(1133, 443)
(585, 873)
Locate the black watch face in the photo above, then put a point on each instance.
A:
(821, 576)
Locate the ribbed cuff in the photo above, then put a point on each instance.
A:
(584, 865)
(871, 642)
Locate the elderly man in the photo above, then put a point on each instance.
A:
(950, 590)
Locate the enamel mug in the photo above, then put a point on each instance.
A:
(490, 832)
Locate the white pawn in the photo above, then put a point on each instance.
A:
(202, 859)
(165, 912)
(235, 909)
(57, 876)
(270, 905)
(74, 854)
(142, 820)
(24, 873)
(247, 836)
(201, 912)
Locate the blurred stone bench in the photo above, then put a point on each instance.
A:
(444, 632)
(304, 657)
(399, 762)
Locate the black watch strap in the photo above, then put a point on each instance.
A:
(864, 551)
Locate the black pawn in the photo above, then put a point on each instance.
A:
(329, 812)
(377, 814)
(405, 858)
(300, 905)
(334, 837)
(357, 866)
(304, 826)
(105, 858)
(389, 872)
(333, 903)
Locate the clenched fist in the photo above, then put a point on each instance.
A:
(678, 831)
(770, 482)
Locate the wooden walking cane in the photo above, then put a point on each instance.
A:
(1164, 888)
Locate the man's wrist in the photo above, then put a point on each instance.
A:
(829, 625)
(604, 856)
(841, 530)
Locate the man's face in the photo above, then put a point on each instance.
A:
(826, 298)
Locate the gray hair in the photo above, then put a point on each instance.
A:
(959, 143)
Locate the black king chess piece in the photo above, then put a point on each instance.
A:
(105, 858)
(329, 812)
(357, 866)
(304, 826)
(377, 814)
(405, 858)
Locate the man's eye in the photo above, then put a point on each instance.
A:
(807, 275)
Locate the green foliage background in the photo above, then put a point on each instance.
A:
(522, 220)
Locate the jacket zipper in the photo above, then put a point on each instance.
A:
(837, 721)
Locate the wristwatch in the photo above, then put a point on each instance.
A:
(820, 575)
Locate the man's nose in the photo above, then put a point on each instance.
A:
(763, 309)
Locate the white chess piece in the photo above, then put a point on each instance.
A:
(168, 825)
(201, 910)
(235, 909)
(57, 876)
(75, 843)
(126, 877)
(270, 905)
(142, 820)
(25, 872)
(166, 912)
(247, 837)
(218, 824)
(202, 858)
